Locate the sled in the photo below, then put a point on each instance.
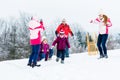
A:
(91, 44)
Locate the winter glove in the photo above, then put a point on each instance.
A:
(52, 47)
(56, 33)
(47, 50)
(91, 21)
(72, 34)
(41, 21)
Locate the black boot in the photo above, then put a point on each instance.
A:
(106, 56)
(33, 65)
(57, 59)
(29, 64)
(62, 61)
(101, 56)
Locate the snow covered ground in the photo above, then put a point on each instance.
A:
(77, 67)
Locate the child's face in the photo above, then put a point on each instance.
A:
(45, 41)
(64, 21)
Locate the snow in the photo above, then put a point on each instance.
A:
(78, 67)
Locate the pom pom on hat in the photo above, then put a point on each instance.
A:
(101, 12)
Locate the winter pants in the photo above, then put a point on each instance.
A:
(66, 52)
(46, 56)
(34, 55)
(61, 54)
(50, 53)
(43, 55)
(102, 38)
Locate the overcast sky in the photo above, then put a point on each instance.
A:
(75, 11)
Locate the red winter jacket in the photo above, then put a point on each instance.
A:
(65, 28)
(61, 43)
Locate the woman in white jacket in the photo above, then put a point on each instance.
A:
(35, 28)
(104, 22)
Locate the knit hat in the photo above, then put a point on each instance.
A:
(64, 20)
(44, 38)
(101, 12)
(61, 32)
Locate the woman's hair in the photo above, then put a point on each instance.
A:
(105, 19)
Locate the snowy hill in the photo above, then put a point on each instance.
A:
(77, 67)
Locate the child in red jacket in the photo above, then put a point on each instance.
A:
(61, 42)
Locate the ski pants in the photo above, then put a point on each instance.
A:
(34, 55)
(101, 43)
(61, 54)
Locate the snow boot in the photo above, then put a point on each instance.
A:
(57, 59)
(62, 61)
(33, 65)
(101, 56)
(106, 56)
(28, 64)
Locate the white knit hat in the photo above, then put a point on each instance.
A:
(101, 12)
(44, 37)
(63, 20)
(61, 32)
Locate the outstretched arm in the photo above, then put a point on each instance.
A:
(96, 21)
(55, 41)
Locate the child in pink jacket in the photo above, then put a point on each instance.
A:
(44, 50)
